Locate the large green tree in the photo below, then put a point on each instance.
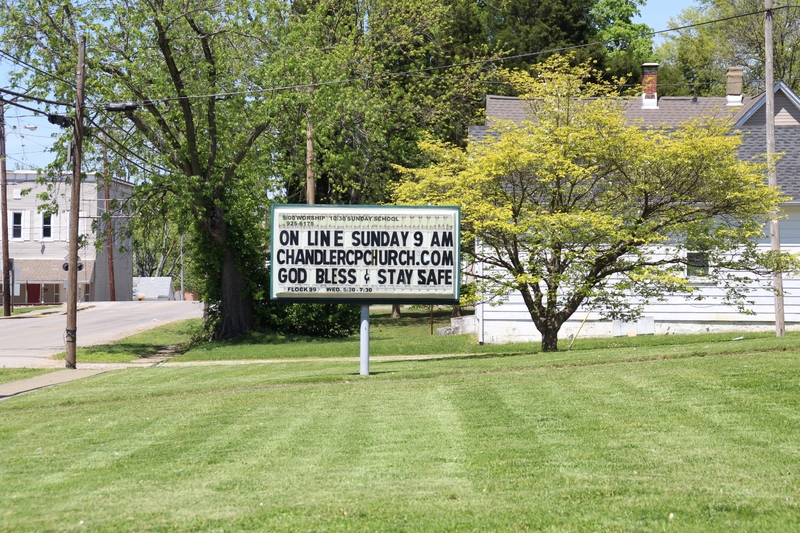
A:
(198, 70)
(577, 207)
(226, 92)
(388, 52)
(627, 44)
(530, 31)
(691, 58)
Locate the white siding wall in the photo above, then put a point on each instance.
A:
(510, 321)
(33, 246)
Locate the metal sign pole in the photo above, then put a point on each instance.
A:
(365, 340)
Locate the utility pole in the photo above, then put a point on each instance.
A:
(310, 183)
(74, 210)
(772, 177)
(112, 292)
(8, 290)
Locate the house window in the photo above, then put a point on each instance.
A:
(697, 264)
(47, 226)
(16, 225)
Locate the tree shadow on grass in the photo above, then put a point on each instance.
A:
(120, 352)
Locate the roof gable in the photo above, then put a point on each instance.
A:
(787, 108)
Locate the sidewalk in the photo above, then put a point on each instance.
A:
(7, 390)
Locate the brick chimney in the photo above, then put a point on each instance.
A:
(650, 86)
(735, 81)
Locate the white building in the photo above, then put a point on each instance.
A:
(39, 241)
(511, 321)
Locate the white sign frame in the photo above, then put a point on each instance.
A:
(365, 254)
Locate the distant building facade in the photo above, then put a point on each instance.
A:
(39, 241)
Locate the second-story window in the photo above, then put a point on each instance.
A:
(47, 226)
(16, 225)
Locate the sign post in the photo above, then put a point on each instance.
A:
(364, 354)
(365, 255)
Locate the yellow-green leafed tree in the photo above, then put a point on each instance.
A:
(578, 207)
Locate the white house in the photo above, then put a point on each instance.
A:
(38, 241)
(510, 321)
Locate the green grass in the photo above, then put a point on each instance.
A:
(8, 375)
(615, 439)
(25, 310)
(389, 337)
(383, 341)
(140, 345)
(388, 340)
(409, 335)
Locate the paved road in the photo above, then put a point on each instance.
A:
(29, 342)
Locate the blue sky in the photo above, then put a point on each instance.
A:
(27, 149)
(657, 13)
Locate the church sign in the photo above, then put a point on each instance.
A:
(365, 254)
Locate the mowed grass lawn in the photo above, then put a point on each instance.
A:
(606, 439)
(8, 375)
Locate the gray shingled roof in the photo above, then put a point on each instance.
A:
(672, 111)
(787, 141)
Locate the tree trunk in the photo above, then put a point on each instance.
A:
(396, 311)
(550, 341)
(235, 303)
(546, 321)
(236, 306)
(456, 311)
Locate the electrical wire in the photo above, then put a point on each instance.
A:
(22, 137)
(35, 99)
(715, 21)
(127, 150)
(26, 108)
(412, 73)
(418, 72)
(40, 71)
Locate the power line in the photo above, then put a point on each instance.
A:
(26, 108)
(40, 71)
(383, 75)
(389, 74)
(715, 21)
(35, 99)
(418, 72)
(124, 148)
